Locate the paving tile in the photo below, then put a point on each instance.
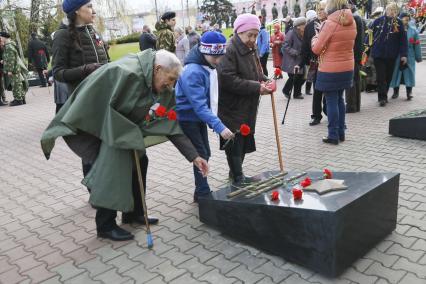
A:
(412, 279)
(412, 255)
(407, 265)
(26, 263)
(391, 275)
(123, 263)
(175, 256)
(224, 265)
(67, 270)
(277, 274)
(168, 271)
(185, 279)
(249, 260)
(80, 255)
(245, 275)
(358, 277)
(214, 276)
(111, 276)
(140, 275)
(195, 268)
(39, 273)
(95, 266)
(201, 253)
(82, 278)
(54, 259)
(11, 276)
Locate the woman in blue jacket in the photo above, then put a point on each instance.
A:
(197, 100)
(407, 73)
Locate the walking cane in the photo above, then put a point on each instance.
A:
(277, 135)
(145, 211)
(289, 98)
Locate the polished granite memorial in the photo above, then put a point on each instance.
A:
(325, 233)
(410, 125)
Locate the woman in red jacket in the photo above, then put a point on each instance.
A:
(277, 40)
(334, 45)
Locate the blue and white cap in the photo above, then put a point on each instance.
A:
(213, 43)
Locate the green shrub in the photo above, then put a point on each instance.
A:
(128, 38)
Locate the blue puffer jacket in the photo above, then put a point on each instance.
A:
(389, 41)
(193, 92)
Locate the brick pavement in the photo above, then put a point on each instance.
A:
(47, 231)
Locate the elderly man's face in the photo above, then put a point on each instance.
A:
(321, 14)
(164, 79)
(249, 37)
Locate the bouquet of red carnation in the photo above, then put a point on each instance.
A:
(306, 182)
(297, 193)
(327, 174)
(159, 112)
(244, 131)
(278, 74)
(275, 196)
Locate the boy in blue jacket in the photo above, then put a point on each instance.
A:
(197, 99)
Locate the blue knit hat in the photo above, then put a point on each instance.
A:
(70, 6)
(213, 43)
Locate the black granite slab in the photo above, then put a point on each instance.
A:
(411, 125)
(325, 233)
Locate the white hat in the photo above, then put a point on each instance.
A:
(379, 10)
(310, 15)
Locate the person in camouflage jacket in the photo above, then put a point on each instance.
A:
(14, 70)
(165, 35)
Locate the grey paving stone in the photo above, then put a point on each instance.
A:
(67, 270)
(245, 275)
(214, 276)
(201, 253)
(277, 274)
(140, 275)
(175, 256)
(222, 263)
(111, 276)
(195, 267)
(295, 279)
(149, 259)
(82, 278)
(412, 255)
(186, 279)
(123, 263)
(249, 260)
(358, 277)
(106, 253)
(407, 265)
(410, 278)
(168, 271)
(391, 275)
(95, 266)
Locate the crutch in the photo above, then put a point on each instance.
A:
(277, 135)
(145, 211)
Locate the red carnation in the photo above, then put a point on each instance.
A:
(297, 193)
(306, 182)
(327, 174)
(171, 115)
(147, 117)
(277, 72)
(411, 40)
(417, 42)
(160, 111)
(275, 196)
(244, 129)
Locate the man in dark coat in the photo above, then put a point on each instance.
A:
(38, 55)
(284, 9)
(353, 94)
(274, 11)
(389, 42)
(147, 39)
(311, 60)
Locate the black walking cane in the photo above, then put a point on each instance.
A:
(296, 70)
(145, 211)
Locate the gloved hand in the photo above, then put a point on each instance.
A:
(90, 68)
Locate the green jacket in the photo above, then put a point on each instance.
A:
(110, 107)
(13, 63)
(165, 37)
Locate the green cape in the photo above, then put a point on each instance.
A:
(110, 106)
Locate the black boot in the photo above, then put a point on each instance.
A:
(409, 93)
(395, 93)
(128, 218)
(16, 103)
(308, 86)
(117, 234)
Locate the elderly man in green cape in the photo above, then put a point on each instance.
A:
(124, 106)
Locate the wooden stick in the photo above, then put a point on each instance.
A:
(277, 135)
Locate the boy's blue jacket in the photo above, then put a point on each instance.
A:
(193, 92)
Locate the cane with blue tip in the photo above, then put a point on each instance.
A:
(149, 240)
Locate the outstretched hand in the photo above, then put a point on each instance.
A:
(202, 165)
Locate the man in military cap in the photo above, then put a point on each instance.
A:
(284, 9)
(165, 35)
(14, 70)
(274, 11)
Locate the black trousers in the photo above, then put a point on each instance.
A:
(295, 81)
(353, 94)
(317, 105)
(43, 78)
(384, 72)
(263, 62)
(105, 218)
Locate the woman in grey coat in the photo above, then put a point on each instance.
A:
(292, 55)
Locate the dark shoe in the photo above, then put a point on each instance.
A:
(16, 103)
(2, 103)
(395, 95)
(409, 96)
(314, 122)
(350, 110)
(299, 97)
(117, 234)
(308, 94)
(342, 138)
(130, 218)
(24, 101)
(330, 141)
(287, 96)
(382, 103)
(197, 196)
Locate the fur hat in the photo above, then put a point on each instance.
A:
(299, 21)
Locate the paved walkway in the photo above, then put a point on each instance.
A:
(47, 230)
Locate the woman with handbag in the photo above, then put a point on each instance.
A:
(334, 45)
